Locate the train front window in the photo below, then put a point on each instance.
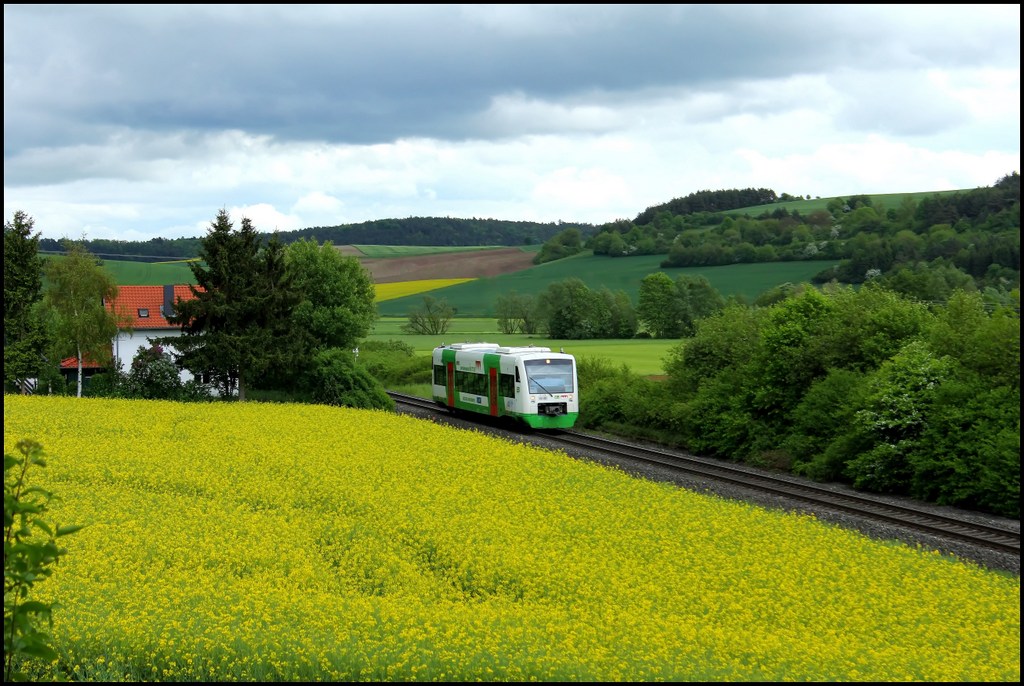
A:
(548, 375)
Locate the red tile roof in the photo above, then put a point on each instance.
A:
(134, 301)
(72, 363)
(143, 304)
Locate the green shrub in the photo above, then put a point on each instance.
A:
(826, 412)
(335, 379)
(110, 383)
(30, 551)
(969, 452)
(394, 363)
(153, 375)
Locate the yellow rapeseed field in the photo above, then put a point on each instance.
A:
(390, 291)
(248, 541)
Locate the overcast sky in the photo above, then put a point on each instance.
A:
(139, 121)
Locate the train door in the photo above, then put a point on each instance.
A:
(492, 390)
(450, 382)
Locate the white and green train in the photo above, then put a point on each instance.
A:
(530, 384)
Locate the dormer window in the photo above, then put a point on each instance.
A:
(143, 312)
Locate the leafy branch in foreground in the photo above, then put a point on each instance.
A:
(30, 551)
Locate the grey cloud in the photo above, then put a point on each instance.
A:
(362, 75)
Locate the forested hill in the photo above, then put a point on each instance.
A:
(439, 231)
(434, 231)
(713, 201)
(709, 207)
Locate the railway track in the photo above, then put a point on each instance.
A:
(973, 533)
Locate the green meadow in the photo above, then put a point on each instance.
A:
(477, 298)
(127, 273)
(641, 356)
(805, 207)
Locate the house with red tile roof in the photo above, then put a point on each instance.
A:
(147, 307)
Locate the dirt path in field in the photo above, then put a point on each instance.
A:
(469, 264)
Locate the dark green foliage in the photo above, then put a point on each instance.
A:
(335, 379)
(571, 310)
(517, 313)
(624, 403)
(710, 201)
(928, 282)
(658, 307)
(431, 318)
(826, 411)
(30, 553)
(696, 300)
(24, 331)
(870, 325)
(337, 297)
(79, 324)
(566, 244)
(109, 383)
(968, 452)
(334, 308)
(984, 340)
(238, 324)
(394, 363)
(590, 370)
(617, 317)
(894, 417)
(715, 422)
(155, 249)
(440, 231)
(788, 358)
(153, 375)
(722, 344)
(858, 385)
(426, 231)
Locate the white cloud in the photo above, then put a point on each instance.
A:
(136, 121)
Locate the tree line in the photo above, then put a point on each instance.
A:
(925, 249)
(859, 385)
(862, 386)
(865, 385)
(426, 231)
(264, 315)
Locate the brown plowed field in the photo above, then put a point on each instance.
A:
(470, 264)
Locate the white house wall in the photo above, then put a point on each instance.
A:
(126, 345)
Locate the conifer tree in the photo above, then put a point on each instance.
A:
(236, 325)
(24, 338)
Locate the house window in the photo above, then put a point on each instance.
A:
(143, 312)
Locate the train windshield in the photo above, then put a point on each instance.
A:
(549, 375)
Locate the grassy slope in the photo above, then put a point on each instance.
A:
(477, 298)
(878, 201)
(127, 273)
(642, 356)
(384, 251)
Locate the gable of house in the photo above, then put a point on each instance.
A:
(146, 308)
(149, 306)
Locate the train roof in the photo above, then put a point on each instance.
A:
(471, 346)
(522, 349)
(500, 349)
